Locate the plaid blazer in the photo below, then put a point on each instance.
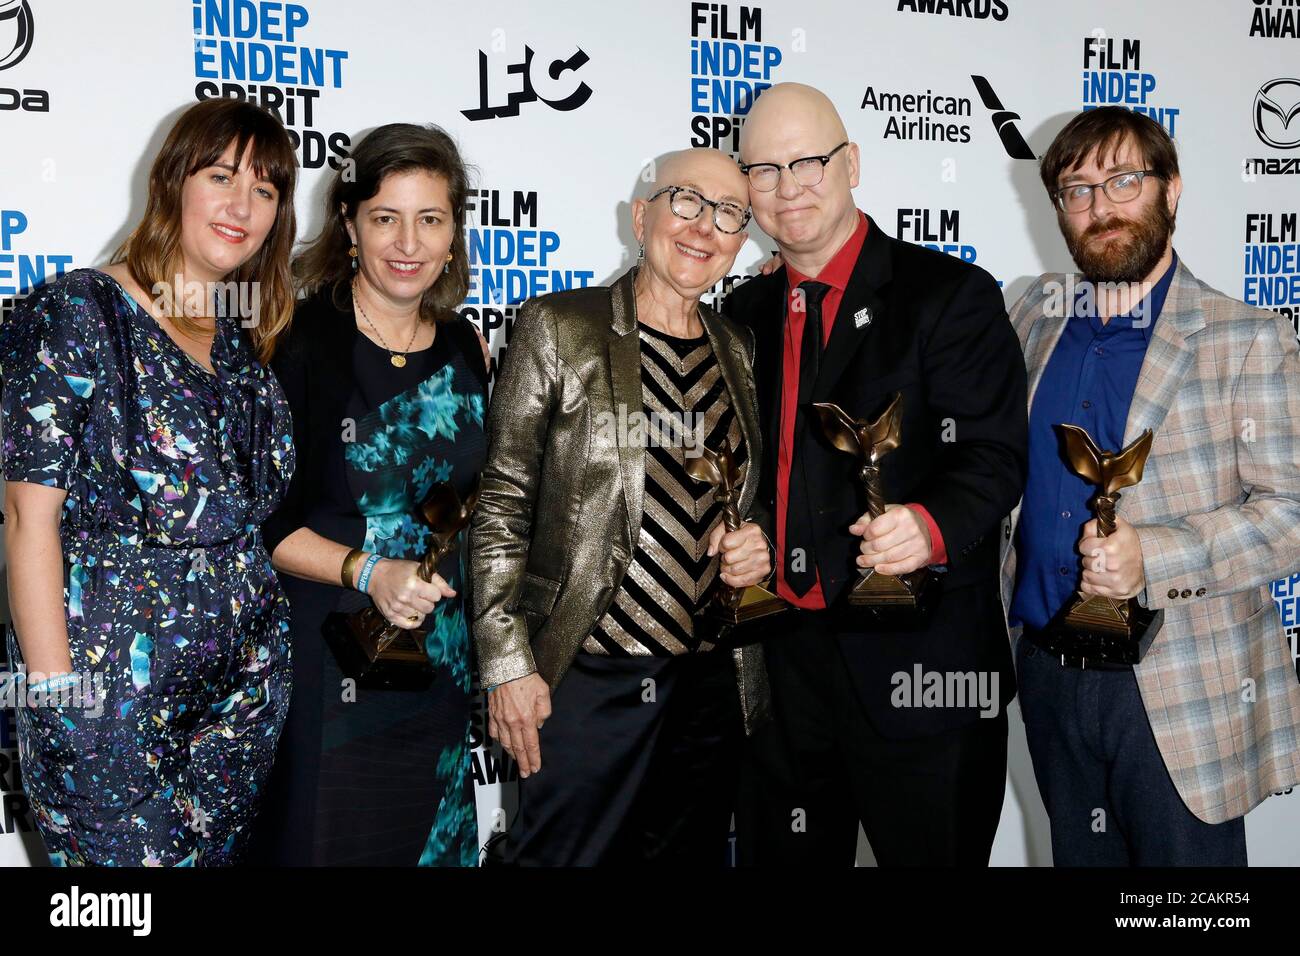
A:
(1218, 515)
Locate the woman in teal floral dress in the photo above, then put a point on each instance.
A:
(388, 388)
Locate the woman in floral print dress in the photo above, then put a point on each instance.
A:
(144, 443)
(388, 388)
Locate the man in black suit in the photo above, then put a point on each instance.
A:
(899, 727)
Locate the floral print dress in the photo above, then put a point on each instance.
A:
(370, 775)
(403, 447)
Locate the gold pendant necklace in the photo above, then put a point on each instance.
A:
(396, 358)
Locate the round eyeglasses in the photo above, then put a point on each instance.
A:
(809, 171)
(688, 204)
(1122, 187)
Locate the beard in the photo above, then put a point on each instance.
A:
(1129, 257)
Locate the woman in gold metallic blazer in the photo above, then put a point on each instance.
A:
(593, 551)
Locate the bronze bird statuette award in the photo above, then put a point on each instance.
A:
(730, 605)
(377, 653)
(896, 597)
(1106, 629)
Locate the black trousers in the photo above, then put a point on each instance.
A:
(1102, 778)
(640, 759)
(820, 768)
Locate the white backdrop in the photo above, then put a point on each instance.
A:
(561, 105)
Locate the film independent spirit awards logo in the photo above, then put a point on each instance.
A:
(15, 32)
(1277, 104)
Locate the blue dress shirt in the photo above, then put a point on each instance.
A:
(1089, 381)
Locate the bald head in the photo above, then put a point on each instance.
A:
(698, 166)
(790, 111)
(787, 123)
(685, 251)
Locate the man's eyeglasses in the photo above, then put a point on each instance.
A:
(1122, 187)
(688, 204)
(809, 171)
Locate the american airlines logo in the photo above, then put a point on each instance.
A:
(1004, 121)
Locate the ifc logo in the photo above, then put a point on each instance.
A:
(15, 32)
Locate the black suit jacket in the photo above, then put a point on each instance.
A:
(937, 333)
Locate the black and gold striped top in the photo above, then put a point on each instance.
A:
(685, 402)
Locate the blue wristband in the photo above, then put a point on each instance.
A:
(57, 682)
(363, 579)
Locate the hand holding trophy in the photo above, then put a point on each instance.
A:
(371, 649)
(1112, 630)
(730, 605)
(900, 597)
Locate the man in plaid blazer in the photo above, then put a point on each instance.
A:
(1154, 763)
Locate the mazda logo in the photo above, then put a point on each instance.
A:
(1277, 104)
(15, 32)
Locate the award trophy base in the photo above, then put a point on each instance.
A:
(370, 654)
(898, 600)
(1103, 629)
(725, 617)
(754, 602)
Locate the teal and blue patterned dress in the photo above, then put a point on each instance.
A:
(371, 776)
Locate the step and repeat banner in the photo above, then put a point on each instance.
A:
(560, 107)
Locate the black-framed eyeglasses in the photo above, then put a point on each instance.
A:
(809, 171)
(688, 204)
(1122, 187)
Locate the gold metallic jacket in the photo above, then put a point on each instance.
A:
(559, 508)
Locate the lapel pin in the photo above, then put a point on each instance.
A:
(861, 317)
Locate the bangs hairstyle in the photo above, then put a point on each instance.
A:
(325, 266)
(1102, 132)
(152, 252)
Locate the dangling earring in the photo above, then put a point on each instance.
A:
(641, 252)
(446, 265)
(353, 253)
